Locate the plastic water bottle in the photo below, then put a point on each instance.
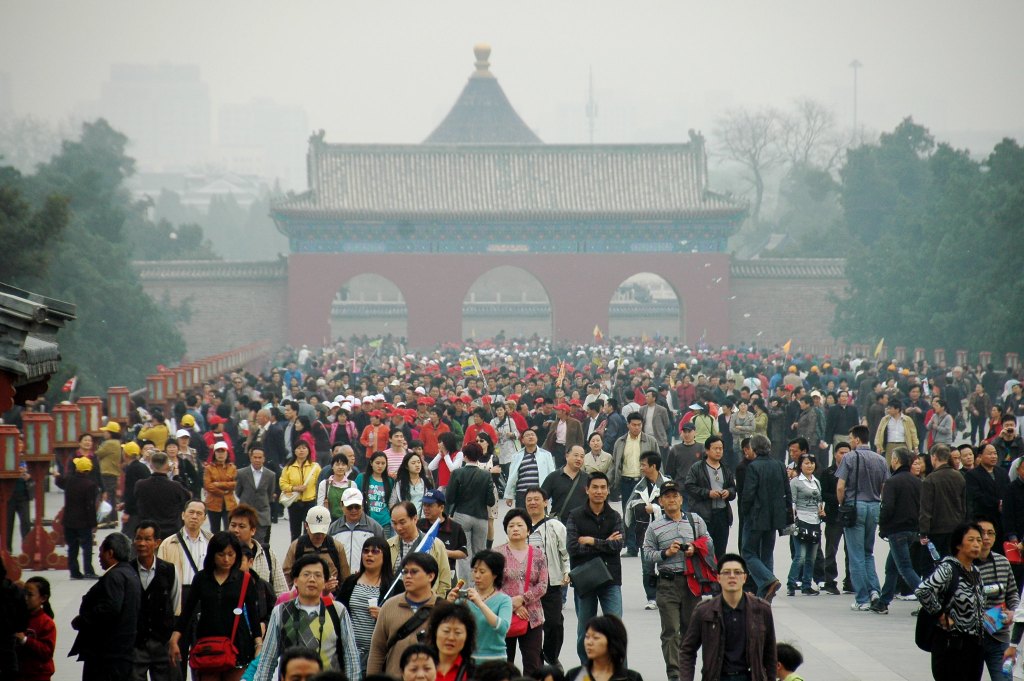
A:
(933, 552)
(1008, 666)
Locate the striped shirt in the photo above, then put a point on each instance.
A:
(529, 475)
(966, 609)
(362, 622)
(995, 570)
(663, 531)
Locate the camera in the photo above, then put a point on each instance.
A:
(463, 594)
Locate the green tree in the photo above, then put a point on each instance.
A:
(934, 243)
(121, 334)
(25, 230)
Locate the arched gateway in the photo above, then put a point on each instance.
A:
(483, 192)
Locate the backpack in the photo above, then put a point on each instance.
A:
(290, 611)
(304, 545)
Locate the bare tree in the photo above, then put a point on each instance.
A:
(751, 138)
(809, 136)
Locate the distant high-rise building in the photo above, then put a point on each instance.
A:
(265, 138)
(164, 109)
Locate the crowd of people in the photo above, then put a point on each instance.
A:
(391, 469)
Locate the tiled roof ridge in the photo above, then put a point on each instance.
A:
(154, 270)
(789, 268)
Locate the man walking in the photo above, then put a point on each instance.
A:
(640, 509)
(594, 532)
(763, 505)
(860, 477)
(1000, 592)
(567, 487)
(530, 466)
(161, 499)
(548, 535)
(656, 420)
(107, 621)
(669, 545)
(943, 501)
(710, 486)
(897, 522)
(161, 600)
(625, 471)
(255, 486)
(987, 484)
(734, 631)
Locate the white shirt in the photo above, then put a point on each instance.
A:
(257, 475)
(895, 432)
(197, 549)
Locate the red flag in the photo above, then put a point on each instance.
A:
(69, 385)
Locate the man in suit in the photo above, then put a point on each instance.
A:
(595, 421)
(107, 621)
(987, 485)
(160, 499)
(656, 420)
(564, 434)
(160, 601)
(255, 486)
(134, 471)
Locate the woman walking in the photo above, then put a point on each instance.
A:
(299, 477)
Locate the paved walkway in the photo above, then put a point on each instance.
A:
(838, 644)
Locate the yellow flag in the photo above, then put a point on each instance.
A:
(787, 345)
(468, 367)
(561, 374)
(878, 348)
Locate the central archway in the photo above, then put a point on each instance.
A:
(368, 304)
(506, 301)
(646, 305)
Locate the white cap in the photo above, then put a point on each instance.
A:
(356, 402)
(182, 433)
(318, 519)
(220, 445)
(420, 390)
(346, 406)
(351, 497)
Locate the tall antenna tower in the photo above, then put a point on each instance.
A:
(591, 107)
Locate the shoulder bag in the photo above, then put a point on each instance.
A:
(290, 498)
(219, 654)
(847, 514)
(520, 625)
(928, 624)
(590, 576)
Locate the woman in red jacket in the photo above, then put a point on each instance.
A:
(37, 643)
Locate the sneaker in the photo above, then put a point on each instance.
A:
(861, 607)
(809, 592)
(832, 590)
(848, 588)
(77, 577)
(651, 605)
(878, 607)
(907, 597)
(874, 596)
(773, 588)
(790, 591)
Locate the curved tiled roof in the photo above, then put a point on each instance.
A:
(508, 182)
(165, 270)
(789, 268)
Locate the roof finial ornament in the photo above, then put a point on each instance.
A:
(483, 66)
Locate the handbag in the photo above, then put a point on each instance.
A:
(218, 654)
(589, 577)
(847, 515)
(927, 625)
(520, 625)
(289, 498)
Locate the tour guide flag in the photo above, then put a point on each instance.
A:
(426, 542)
(69, 385)
(786, 346)
(878, 348)
(469, 366)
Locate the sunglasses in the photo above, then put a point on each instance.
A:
(371, 549)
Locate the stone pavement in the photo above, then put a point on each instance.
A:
(838, 644)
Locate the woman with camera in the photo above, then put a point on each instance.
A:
(491, 608)
(809, 507)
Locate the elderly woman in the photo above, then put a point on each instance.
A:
(526, 581)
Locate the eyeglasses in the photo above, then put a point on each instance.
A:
(371, 549)
(731, 573)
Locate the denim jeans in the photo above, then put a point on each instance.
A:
(992, 650)
(802, 568)
(860, 544)
(899, 563)
(759, 552)
(626, 485)
(610, 598)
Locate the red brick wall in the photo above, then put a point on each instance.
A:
(780, 309)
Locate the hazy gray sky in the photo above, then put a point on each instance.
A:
(388, 71)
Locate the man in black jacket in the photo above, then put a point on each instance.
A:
(81, 495)
(108, 617)
(160, 596)
(710, 485)
(840, 418)
(833, 532)
(766, 498)
(987, 484)
(898, 522)
(160, 499)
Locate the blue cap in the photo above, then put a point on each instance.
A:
(434, 496)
